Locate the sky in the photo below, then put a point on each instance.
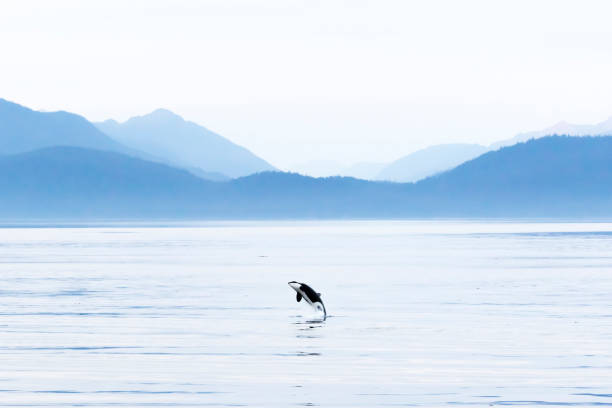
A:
(308, 81)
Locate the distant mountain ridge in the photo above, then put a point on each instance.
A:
(444, 157)
(23, 129)
(59, 165)
(436, 159)
(165, 135)
(429, 161)
(554, 176)
(68, 181)
(562, 128)
(546, 177)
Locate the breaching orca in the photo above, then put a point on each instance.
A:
(313, 298)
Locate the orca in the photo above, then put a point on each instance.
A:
(309, 295)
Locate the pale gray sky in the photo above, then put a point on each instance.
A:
(317, 80)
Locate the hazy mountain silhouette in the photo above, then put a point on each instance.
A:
(547, 177)
(550, 176)
(562, 128)
(72, 182)
(23, 129)
(440, 158)
(166, 135)
(429, 161)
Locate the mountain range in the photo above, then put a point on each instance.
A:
(167, 136)
(548, 177)
(160, 136)
(436, 159)
(58, 164)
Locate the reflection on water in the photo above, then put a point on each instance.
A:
(422, 314)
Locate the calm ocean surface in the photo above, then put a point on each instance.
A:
(421, 314)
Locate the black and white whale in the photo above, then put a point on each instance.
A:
(313, 298)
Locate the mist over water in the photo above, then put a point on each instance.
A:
(429, 313)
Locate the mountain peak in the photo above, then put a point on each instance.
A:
(166, 135)
(163, 114)
(156, 118)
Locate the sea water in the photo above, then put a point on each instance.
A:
(421, 313)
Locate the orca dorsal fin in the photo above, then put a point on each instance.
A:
(298, 297)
